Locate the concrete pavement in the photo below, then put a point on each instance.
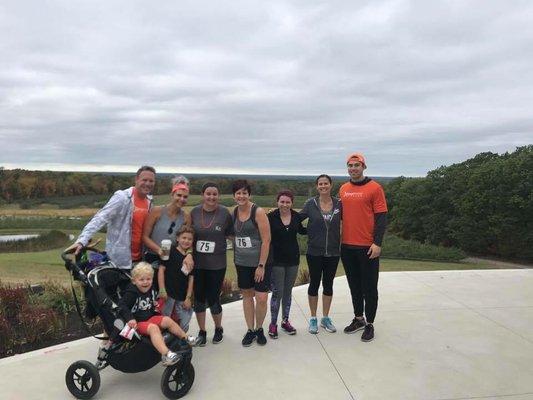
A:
(440, 335)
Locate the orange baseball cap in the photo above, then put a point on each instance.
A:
(356, 157)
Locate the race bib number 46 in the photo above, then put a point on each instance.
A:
(203, 246)
(243, 242)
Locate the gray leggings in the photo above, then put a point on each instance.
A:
(283, 279)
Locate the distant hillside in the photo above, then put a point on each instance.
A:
(33, 187)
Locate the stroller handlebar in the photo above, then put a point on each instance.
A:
(71, 264)
(73, 253)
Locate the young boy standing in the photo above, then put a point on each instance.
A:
(138, 307)
(175, 287)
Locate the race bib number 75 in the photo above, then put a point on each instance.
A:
(203, 246)
(243, 242)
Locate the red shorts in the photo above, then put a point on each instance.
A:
(142, 327)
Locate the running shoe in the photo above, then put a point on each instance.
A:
(313, 326)
(261, 338)
(326, 323)
(218, 336)
(368, 334)
(170, 358)
(355, 325)
(287, 327)
(273, 331)
(103, 349)
(249, 338)
(194, 340)
(202, 338)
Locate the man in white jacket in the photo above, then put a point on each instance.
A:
(124, 216)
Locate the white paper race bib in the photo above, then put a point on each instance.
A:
(203, 246)
(243, 242)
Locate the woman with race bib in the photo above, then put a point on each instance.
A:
(323, 249)
(252, 242)
(213, 224)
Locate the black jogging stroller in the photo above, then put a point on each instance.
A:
(102, 283)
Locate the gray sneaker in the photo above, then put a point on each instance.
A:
(194, 340)
(313, 326)
(326, 323)
(170, 358)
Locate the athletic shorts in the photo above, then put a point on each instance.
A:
(246, 279)
(142, 327)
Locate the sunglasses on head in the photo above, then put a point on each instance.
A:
(171, 227)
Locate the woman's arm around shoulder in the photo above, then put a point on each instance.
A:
(304, 212)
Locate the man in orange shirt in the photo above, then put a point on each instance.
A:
(364, 220)
(123, 215)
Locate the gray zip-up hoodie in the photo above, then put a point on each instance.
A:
(323, 237)
(117, 214)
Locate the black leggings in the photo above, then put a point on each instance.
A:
(207, 285)
(321, 268)
(362, 274)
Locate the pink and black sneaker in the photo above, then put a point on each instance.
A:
(273, 331)
(287, 327)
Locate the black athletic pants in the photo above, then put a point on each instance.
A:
(362, 274)
(207, 286)
(321, 268)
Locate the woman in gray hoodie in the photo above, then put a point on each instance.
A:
(323, 249)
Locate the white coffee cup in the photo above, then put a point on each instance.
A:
(165, 249)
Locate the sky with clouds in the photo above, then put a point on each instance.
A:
(281, 87)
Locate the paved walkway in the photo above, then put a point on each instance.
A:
(439, 335)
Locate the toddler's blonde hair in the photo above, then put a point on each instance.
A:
(141, 269)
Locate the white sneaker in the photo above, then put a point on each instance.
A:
(194, 340)
(170, 358)
(103, 348)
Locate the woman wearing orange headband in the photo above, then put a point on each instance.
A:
(164, 222)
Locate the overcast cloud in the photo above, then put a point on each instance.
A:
(285, 87)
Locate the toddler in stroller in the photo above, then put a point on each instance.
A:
(138, 307)
(121, 305)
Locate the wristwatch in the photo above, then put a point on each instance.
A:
(260, 265)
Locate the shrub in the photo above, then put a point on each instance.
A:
(396, 247)
(37, 324)
(28, 319)
(6, 335)
(55, 296)
(303, 277)
(12, 300)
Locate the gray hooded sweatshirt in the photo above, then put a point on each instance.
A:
(323, 230)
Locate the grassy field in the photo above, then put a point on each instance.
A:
(44, 265)
(47, 210)
(41, 266)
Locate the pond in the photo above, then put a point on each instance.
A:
(7, 238)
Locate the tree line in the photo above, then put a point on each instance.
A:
(483, 205)
(19, 185)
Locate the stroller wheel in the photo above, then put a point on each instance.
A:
(177, 380)
(82, 379)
